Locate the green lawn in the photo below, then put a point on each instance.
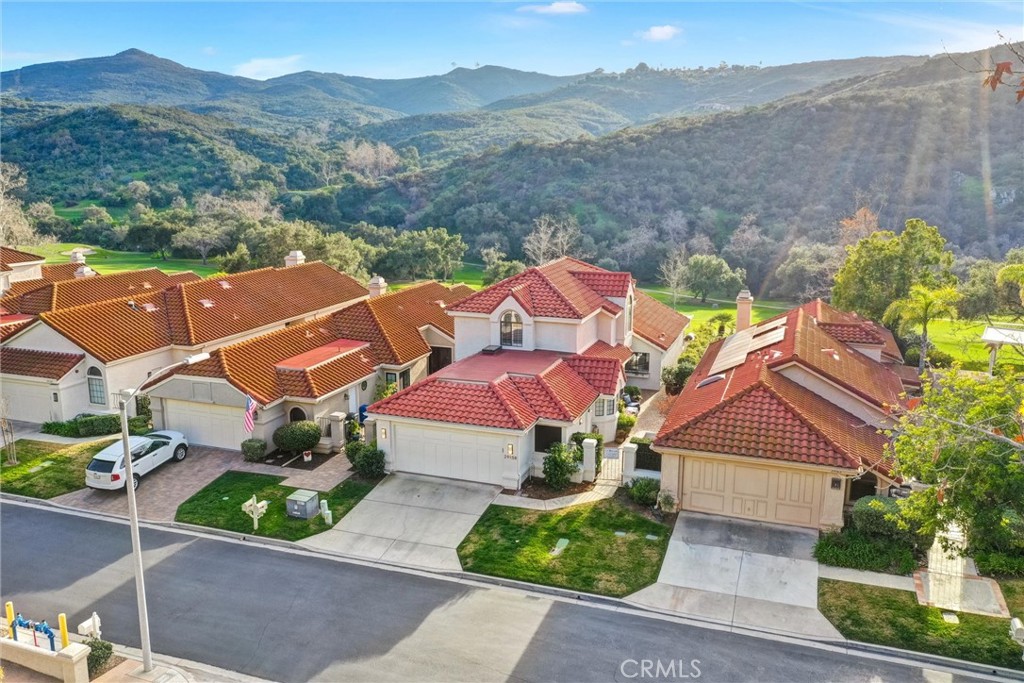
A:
(105, 261)
(516, 544)
(33, 477)
(701, 312)
(77, 212)
(886, 616)
(219, 505)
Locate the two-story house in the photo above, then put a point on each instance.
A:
(539, 356)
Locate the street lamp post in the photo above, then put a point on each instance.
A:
(133, 511)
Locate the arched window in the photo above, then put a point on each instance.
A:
(97, 388)
(511, 329)
(296, 415)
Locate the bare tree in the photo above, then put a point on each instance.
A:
(552, 238)
(14, 226)
(673, 272)
(7, 432)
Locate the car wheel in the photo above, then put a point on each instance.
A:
(135, 482)
(180, 452)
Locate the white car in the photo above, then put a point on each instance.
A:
(106, 471)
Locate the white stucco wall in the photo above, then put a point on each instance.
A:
(557, 336)
(472, 333)
(653, 380)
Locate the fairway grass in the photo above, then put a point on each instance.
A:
(105, 261)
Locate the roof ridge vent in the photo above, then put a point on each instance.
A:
(224, 284)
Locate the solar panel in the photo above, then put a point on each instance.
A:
(767, 339)
(733, 351)
(770, 325)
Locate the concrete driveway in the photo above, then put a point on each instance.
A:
(740, 573)
(411, 520)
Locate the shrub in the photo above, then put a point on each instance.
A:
(1000, 564)
(297, 437)
(384, 390)
(254, 450)
(99, 425)
(855, 550)
(69, 428)
(666, 501)
(370, 462)
(578, 437)
(632, 391)
(99, 654)
(353, 449)
(644, 491)
(625, 423)
(352, 430)
(144, 406)
(881, 517)
(138, 425)
(674, 378)
(936, 357)
(559, 465)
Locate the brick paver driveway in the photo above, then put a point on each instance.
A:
(164, 489)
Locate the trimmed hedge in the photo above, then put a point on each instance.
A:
(69, 428)
(99, 425)
(254, 450)
(99, 654)
(370, 462)
(1000, 564)
(855, 550)
(296, 437)
(578, 437)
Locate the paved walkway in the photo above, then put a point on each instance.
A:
(653, 409)
(903, 583)
(163, 490)
(30, 430)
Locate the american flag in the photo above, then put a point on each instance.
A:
(250, 409)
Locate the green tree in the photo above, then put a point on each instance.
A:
(882, 268)
(1012, 274)
(707, 274)
(964, 443)
(203, 237)
(808, 272)
(919, 308)
(496, 268)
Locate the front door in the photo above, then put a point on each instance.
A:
(440, 357)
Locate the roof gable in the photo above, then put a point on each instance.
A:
(659, 324)
(31, 363)
(9, 256)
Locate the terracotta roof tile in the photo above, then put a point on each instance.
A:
(604, 282)
(602, 349)
(31, 363)
(8, 256)
(601, 373)
(490, 404)
(657, 323)
(68, 293)
(8, 331)
(202, 311)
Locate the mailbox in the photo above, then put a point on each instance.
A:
(304, 504)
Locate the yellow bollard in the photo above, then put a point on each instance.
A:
(10, 617)
(62, 620)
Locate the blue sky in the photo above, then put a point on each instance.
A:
(396, 40)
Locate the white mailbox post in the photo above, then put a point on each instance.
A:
(255, 510)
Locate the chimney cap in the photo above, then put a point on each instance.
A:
(377, 280)
(744, 295)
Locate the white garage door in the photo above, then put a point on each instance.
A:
(206, 424)
(765, 494)
(452, 453)
(30, 401)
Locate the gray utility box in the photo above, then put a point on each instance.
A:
(304, 504)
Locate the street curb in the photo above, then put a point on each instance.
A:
(849, 646)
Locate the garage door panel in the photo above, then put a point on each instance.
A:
(786, 496)
(206, 424)
(28, 401)
(454, 454)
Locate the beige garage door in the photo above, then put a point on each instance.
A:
(452, 453)
(764, 494)
(207, 424)
(30, 401)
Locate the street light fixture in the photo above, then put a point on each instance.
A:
(133, 512)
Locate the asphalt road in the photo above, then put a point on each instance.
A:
(288, 617)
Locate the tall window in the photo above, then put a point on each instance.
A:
(511, 329)
(97, 389)
(639, 365)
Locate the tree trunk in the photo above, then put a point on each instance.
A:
(924, 348)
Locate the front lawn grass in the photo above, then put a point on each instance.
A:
(886, 616)
(219, 505)
(34, 478)
(516, 544)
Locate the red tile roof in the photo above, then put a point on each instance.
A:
(8, 256)
(202, 311)
(31, 363)
(844, 326)
(657, 323)
(756, 411)
(392, 322)
(602, 349)
(51, 273)
(508, 390)
(68, 293)
(549, 291)
(8, 331)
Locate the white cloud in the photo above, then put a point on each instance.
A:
(262, 68)
(558, 7)
(659, 34)
(209, 51)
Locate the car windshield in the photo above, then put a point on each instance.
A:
(98, 465)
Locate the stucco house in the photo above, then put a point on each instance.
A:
(539, 356)
(323, 369)
(780, 421)
(117, 342)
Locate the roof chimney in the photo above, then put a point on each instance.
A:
(378, 286)
(84, 271)
(294, 258)
(77, 256)
(744, 304)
